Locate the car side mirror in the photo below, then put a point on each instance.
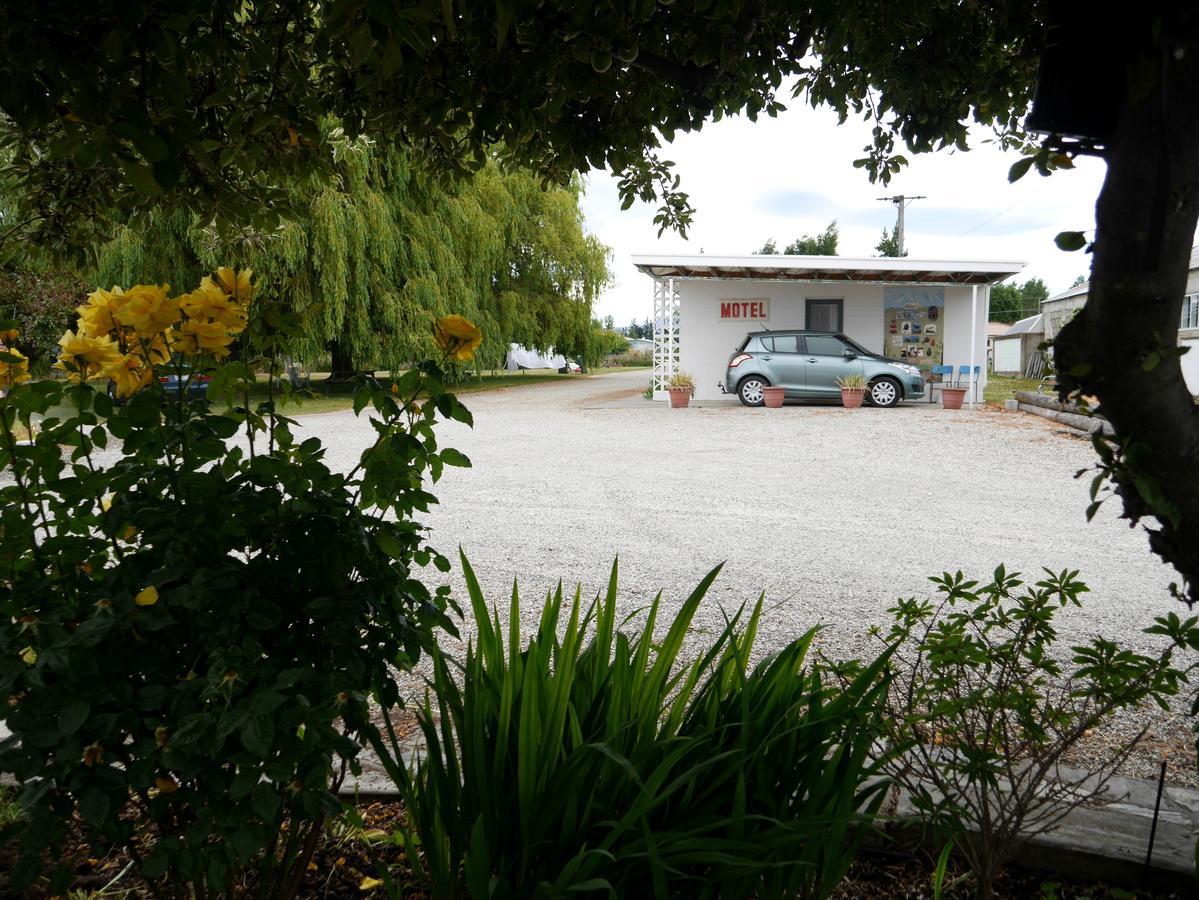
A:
(849, 354)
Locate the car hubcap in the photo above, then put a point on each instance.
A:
(752, 392)
(883, 393)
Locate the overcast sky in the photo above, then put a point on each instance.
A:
(791, 176)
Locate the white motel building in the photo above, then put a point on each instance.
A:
(927, 312)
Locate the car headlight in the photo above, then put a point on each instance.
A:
(904, 367)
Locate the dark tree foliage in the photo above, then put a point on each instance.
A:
(42, 303)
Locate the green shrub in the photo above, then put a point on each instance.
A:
(630, 358)
(594, 762)
(985, 711)
(194, 625)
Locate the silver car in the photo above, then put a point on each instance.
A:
(807, 365)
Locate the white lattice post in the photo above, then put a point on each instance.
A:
(666, 336)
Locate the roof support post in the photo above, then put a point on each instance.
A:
(973, 341)
(666, 335)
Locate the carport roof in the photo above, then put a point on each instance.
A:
(884, 270)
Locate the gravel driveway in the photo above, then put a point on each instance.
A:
(832, 513)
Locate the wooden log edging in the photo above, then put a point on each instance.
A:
(1068, 414)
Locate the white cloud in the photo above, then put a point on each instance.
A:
(792, 175)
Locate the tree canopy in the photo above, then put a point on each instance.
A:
(888, 244)
(380, 251)
(822, 244)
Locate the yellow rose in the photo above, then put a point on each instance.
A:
(209, 302)
(129, 373)
(156, 349)
(95, 316)
(236, 283)
(84, 357)
(12, 373)
(9, 335)
(147, 309)
(457, 336)
(194, 336)
(146, 596)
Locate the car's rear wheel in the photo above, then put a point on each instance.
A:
(884, 392)
(750, 390)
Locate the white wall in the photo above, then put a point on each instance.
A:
(956, 332)
(1007, 356)
(1190, 360)
(706, 341)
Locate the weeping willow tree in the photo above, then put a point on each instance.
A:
(382, 251)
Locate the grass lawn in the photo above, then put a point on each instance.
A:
(1003, 387)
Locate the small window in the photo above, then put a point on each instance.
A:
(824, 345)
(782, 343)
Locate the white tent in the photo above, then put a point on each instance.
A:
(522, 358)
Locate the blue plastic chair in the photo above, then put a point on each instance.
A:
(964, 380)
(946, 377)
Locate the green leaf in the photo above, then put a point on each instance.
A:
(389, 543)
(452, 457)
(73, 715)
(265, 801)
(1070, 240)
(141, 179)
(257, 734)
(93, 806)
(1019, 169)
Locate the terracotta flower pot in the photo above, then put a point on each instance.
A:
(773, 396)
(851, 398)
(951, 397)
(679, 397)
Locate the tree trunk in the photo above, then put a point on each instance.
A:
(342, 366)
(1122, 347)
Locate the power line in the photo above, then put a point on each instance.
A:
(988, 221)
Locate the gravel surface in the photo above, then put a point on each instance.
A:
(831, 513)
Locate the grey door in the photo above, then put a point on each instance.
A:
(825, 363)
(823, 315)
(784, 365)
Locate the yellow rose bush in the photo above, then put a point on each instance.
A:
(197, 610)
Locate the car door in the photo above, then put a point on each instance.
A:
(784, 364)
(825, 362)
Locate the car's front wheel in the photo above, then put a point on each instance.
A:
(750, 390)
(884, 392)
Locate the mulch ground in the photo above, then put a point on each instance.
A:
(347, 858)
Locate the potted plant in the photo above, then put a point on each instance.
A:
(772, 397)
(853, 390)
(951, 397)
(682, 389)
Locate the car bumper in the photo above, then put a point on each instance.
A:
(915, 388)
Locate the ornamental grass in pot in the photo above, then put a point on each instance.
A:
(682, 389)
(853, 390)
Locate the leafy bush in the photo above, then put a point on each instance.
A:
(630, 358)
(986, 712)
(603, 765)
(41, 305)
(194, 621)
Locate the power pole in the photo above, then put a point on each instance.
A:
(901, 203)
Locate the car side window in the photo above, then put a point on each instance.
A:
(754, 345)
(824, 345)
(784, 343)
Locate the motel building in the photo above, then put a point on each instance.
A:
(924, 312)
